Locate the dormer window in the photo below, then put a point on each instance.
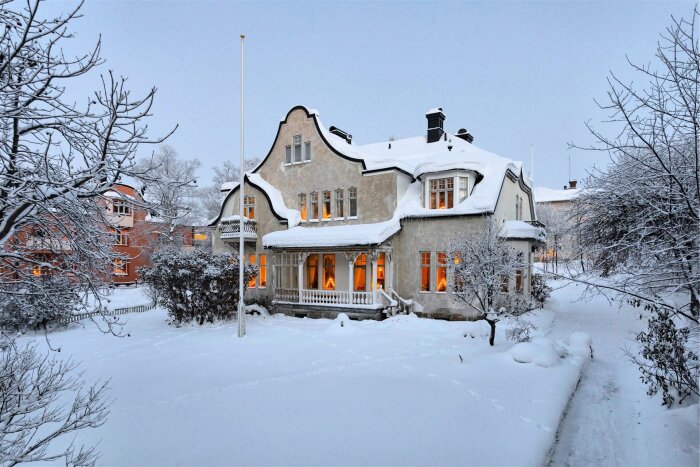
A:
(442, 193)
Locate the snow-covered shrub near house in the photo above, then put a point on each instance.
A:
(540, 290)
(195, 285)
(24, 306)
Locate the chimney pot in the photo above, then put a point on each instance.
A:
(572, 184)
(465, 135)
(436, 120)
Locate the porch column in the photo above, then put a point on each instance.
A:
(300, 273)
(374, 257)
(351, 256)
(389, 266)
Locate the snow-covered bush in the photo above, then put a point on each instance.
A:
(539, 289)
(668, 363)
(520, 329)
(43, 404)
(24, 305)
(195, 285)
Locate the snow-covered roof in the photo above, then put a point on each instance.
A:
(549, 195)
(332, 236)
(293, 216)
(228, 186)
(522, 230)
(117, 194)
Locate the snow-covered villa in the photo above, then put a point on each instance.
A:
(338, 227)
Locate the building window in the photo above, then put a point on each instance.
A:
(297, 148)
(519, 281)
(329, 272)
(352, 197)
(286, 271)
(314, 206)
(122, 238)
(425, 271)
(120, 207)
(441, 278)
(504, 284)
(253, 261)
(120, 267)
(307, 151)
(381, 270)
(302, 206)
(249, 207)
(326, 205)
(463, 188)
(287, 154)
(339, 203)
(360, 273)
(262, 272)
(441, 193)
(458, 281)
(312, 272)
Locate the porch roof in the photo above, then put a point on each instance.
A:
(332, 236)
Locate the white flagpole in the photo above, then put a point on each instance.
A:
(241, 252)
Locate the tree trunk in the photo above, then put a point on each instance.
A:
(492, 323)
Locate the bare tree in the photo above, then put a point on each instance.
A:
(483, 266)
(640, 217)
(43, 402)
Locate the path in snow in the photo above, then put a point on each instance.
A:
(611, 421)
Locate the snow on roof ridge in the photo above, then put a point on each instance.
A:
(522, 230)
(548, 195)
(293, 216)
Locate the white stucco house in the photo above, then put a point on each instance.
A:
(339, 227)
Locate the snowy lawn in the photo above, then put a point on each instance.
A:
(123, 297)
(313, 392)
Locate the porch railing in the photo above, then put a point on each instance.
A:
(231, 229)
(327, 297)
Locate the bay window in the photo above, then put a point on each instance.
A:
(442, 193)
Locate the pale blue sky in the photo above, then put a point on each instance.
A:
(514, 74)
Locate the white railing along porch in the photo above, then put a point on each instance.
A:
(327, 297)
(230, 229)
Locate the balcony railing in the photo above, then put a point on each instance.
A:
(328, 297)
(230, 229)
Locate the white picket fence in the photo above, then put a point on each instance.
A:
(115, 312)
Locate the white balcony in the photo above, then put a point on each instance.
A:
(230, 229)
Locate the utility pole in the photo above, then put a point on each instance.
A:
(241, 183)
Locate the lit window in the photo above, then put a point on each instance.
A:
(262, 272)
(339, 203)
(519, 281)
(312, 272)
(302, 206)
(441, 278)
(326, 205)
(297, 148)
(360, 273)
(463, 188)
(122, 238)
(352, 197)
(329, 272)
(288, 154)
(120, 267)
(307, 151)
(120, 207)
(314, 206)
(251, 282)
(425, 271)
(458, 279)
(249, 207)
(504, 284)
(441, 193)
(381, 269)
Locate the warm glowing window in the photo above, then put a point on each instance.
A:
(326, 205)
(381, 270)
(352, 197)
(38, 270)
(120, 207)
(458, 279)
(329, 272)
(425, 271)
(249, 206)
(314, 205)
(312, 272)
(307, 151)
(251, 282)
(122, 238)
(339, 203)
(441, 193)
(262, 271)
(463, 188)
(288, 154)
(302, 206)
(360, 272)
(297, 148)
(519, 281)
(120, 267)
(504, 284)
(441, 278)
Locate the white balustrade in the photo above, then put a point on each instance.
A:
(327, 297)
(231, 229)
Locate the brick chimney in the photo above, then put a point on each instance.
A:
(436, 119)
(572, 184)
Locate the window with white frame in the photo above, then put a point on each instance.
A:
(327, 205)
(463, 188)
(442, 193)
(425, 271)
(120, 267)
(441, 276)
(119, 206)
(297, 148)
(352, 198)
(122, 238)
(302, 206)
(314, 206)
(287, 154)
(339, 203)
(307, 151)
(249, 207)
(286, 271)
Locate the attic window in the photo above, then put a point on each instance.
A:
(297, 148)
(120, 207)
(249, 207)
(307, 151)
(442, 193)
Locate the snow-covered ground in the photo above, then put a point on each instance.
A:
(405, 391)
(611, 420)
(123, 297)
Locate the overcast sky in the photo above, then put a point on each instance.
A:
(514, 74)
